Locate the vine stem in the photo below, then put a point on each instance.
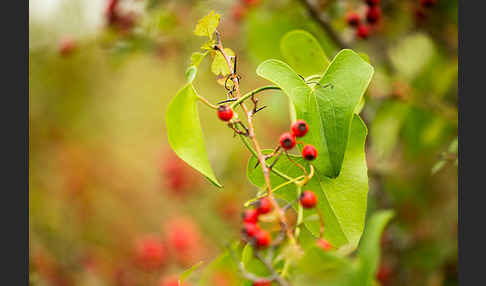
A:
(251, 135)
(205, 101)
(251, 93)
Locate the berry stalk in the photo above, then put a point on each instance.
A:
(251, 135)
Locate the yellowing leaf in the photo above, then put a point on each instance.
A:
(219, 65)
(207, 25)
(197, 57)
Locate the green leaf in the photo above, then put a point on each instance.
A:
(453, 146)
(197, 57)
(418, 47)
(303, 52)
(185, 133)
(318, 267)
(342, 201)
(369, 248)
(386, 126)
(223, 264)
(438, 166)
(247, 254)
(191, 73)
(184, 275)
(207, 25)
(219, 65)
(329, 108)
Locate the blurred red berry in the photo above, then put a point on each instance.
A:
(238, 12)
(373, 14)
(150, 252)
(225, 113)
(184, 240)
(171, 281)
(308, 199)
(353, 19)
(372, 2)
(264, 205)
(263, 238)
(250, 216)
(420, 14)
(177, 176)
(110, 12)
(251, 229)
(299, 128)
(309, 152)
(363, 31)
(262, 283)
(324, 244)
(383, 273)
(428, 3)
(66, 45)
(287, 141)
(251, 2)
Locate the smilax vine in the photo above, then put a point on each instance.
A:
(325, 183)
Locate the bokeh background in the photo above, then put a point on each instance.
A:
(110, 203)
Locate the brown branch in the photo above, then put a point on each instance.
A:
(251, 135)
(323, 21)
(270, 268)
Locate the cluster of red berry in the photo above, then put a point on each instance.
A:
(123, 22)
(421, 11)
(298, 129)
(373, 16)
(182, 243)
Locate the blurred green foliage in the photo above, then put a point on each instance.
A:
(101, 174)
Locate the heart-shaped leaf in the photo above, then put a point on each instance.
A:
(329, 107)
(184, 130)
(342, 200)
(303, 53)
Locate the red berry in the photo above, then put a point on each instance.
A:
(324, 244)
(150, 252)
(262, 283)
(299, 128)
(263, 238)
(372, 2)
(353, 19)
(251, 229)
(66, 46)
(309, 152)
(373, 14)
(420, 14)
(239, 11)
(383, 273)
(264, 205)
(171, 281)
(428, 3)
(250, 216)
(308, 199)
(251, 2)
(363, 31)
(287, 141)
(225, 113)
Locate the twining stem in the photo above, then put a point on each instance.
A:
(251, 93)
(321, 229)
(205, 101)
(270, 268)
(251, 135)
(254, 153)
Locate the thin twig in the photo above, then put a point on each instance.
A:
(270, 268)
(251, 135)
(323, 21)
